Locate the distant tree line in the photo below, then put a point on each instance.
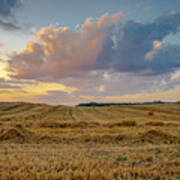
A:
(121, 104)
(178, 102)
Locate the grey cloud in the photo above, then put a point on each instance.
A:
(6, 85)
(54, 98)
(7, 11)
(165, 60)
(134, 40)
(8, 26)
(7, 7)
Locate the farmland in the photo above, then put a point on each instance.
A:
(39, 141)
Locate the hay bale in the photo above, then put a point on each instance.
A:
(155, 123)
(150, 113)
(16, 134)
(157, 136)
(11, 134)
(127, 123)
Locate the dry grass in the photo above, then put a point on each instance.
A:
(97, 143)
(83, 161)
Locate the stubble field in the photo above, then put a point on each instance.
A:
(40, 142)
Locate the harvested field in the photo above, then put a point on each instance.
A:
(38, 141)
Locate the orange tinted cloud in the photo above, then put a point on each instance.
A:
(62, 52)
(29, 91)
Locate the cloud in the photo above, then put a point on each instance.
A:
(135, 40)
(54, 97)
(6, 85)
(33, 91)
(63, 52)
(119, 84)
(7, 7)
(8, 26)
(1, 46)
(108, 44)
(5, 92)
(144, 96)
(136, 97)
(101, 88)
(7, 11)
(58, 97)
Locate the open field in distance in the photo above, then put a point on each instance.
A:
(95, 143)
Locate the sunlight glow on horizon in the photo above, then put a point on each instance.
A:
(3, 72)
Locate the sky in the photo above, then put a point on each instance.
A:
(69, 52)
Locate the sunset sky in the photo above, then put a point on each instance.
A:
(74, 51)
